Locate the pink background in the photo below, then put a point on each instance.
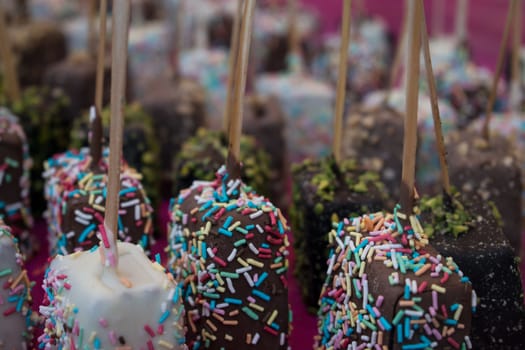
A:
(485, 21)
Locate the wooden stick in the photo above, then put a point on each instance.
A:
(96, 140)
(294, 40)
(92, 13)
(178, 40)
(412, 90)
(99, 87)
(234, 47)
(445, 179)
(438, 17)
(499, 69)
(461, 20)
(341, 81)
(400, 52)
(515, 84)
(235, 126)
(120, 28)
(6, 53)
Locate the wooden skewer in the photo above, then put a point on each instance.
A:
(438, 17)
(11, 78)
(499, 69)
(234, 46)
(92, 12)
(400, 53)
(515, 86)
(445, 179)
(121, 18)
(178, 39)
(461, 20)
(95, 146)
(294, 39)
(341, 82)
(235, 125)
(99, 87)
(408, 175)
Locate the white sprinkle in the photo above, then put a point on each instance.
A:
(130, 203)
(82, 215)
(255, 338)
(81, 221)
(256, 214)
(413, 313)
(99, 199)
(365, 293)
(210, 252)
(243, 269)
(232, 255)
(248, 279)
(259, 228)
(137, 212)
(230, 285)
(469, 343)
(253, 249)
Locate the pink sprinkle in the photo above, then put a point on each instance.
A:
(452, 342)
(103, 322)
(104, 235)
(112, 338)
(436, 333)
(379, 301)
(422, 287)
(160, 329)
(444, 310)
(149, 331)
(150, 345)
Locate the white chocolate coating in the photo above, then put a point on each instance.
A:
(126, 307)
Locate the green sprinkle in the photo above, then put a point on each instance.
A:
(250, 313)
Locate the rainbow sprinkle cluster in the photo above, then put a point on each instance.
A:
(229, 246)
(76, 196)
(14, 173)
(385, 286)
(18, 287)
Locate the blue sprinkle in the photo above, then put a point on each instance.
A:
(233, 301)
(263, 276)
(261, 295)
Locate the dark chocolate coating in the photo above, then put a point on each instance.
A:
(44, 115)
(140, 149)
(487, 258)
(273, 285)
(312, 217)
(374, 138)
(204, 153)
(12, 159)
(339, 299)
(134, 231)
(37, 45)
(76, 77)
(220, 30)
(491, 171)
(265, 121)
(469, 102)
(177, 110)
